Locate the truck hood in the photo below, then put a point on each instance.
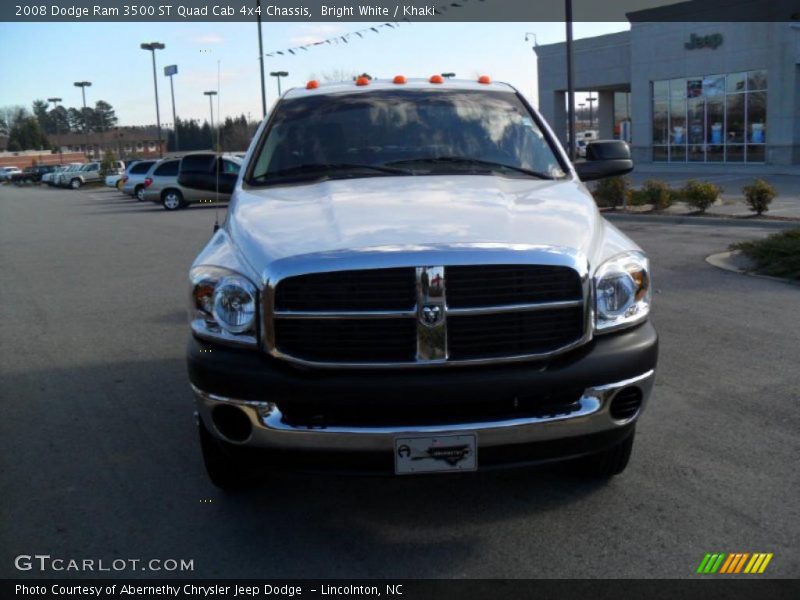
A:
(267, 224)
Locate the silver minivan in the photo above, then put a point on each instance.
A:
(161, 184)
(134, 179)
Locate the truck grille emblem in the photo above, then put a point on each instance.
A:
(431, 314)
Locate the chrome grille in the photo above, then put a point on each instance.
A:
(431, 315)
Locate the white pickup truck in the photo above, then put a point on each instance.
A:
(413, 278)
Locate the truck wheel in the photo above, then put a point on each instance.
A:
(223, 471)
(172, 200)
(139, 193)
(607, 463)
(75, 184)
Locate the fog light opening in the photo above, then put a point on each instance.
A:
(626, 403)
(232, 422)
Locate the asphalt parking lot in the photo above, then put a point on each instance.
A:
(99, 457)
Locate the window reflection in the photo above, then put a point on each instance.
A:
(711, 118)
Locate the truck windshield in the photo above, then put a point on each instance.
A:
(403, 132)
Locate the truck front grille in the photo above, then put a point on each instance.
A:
(428, 315)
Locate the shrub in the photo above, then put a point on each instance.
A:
(108, 161)
(777, 254)
(657, 193)
(700, 194)
(611, 191)
(759, 195)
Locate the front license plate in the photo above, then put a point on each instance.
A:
(434, 454)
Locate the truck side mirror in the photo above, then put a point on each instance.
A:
(199, 172)
(607, 158)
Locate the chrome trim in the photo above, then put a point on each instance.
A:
(269, 430)
(511, 308)
(200, 330)
(431, 314)
(386, 257)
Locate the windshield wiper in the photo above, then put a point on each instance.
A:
(325, 170)
(465, 160)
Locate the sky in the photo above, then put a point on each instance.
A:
(43, 60)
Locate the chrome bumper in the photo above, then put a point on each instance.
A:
(269, 430)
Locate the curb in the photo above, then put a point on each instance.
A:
(735, 262)
(695, 220)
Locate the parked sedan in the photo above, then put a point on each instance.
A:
(7, 172)
(133, 181)
(162, 187)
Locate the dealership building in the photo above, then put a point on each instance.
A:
(686, 92)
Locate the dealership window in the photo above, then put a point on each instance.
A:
(710, 118)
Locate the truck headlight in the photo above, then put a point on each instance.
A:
(622, 292)
(223, 305)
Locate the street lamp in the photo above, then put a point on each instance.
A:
(83, 85)
(55, 102)
(211, 94)
(448, 75)
(591, 100)
(169, 71)
(570, 80)
(278, 75)
(152, 47)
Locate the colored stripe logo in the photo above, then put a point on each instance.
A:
(734, 563)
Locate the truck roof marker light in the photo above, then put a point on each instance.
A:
(312, 85)
(362, 81)
(436, 79)
(399, 79)
(484, 79)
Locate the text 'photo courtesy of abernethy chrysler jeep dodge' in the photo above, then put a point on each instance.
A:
(412, 278)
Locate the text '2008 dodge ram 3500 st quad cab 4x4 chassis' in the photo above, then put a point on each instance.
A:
(412, 278)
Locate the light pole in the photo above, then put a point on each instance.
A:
(152, 47)
(278, 75)
(448, 75)
(169, 71)
(570, 82)
(261, 62)
(83, 85)
(211, 94)
(55, 102)
(591, 100)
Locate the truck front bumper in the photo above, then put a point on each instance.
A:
(258, 391)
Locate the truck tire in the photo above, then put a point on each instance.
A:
(75, 184)
(607, 463)
(223, 471)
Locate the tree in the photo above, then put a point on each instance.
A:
(59, 118)
(13, 114)
(3, 127)
(40, 112)
(103, 116)
(28, 135)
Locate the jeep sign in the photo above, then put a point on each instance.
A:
(704, 41)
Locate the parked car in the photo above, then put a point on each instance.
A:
(88, 173)
(33, 174)
(133, 181)
(162, 187)
(61, 179)
(117, 167)
(51, 179)
(414, 278)
(7, 172)
(116, 180)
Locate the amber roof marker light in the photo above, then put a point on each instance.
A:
(484, 79)
(399, 79)
(362, 81)
(312, 85)
(436, 79)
